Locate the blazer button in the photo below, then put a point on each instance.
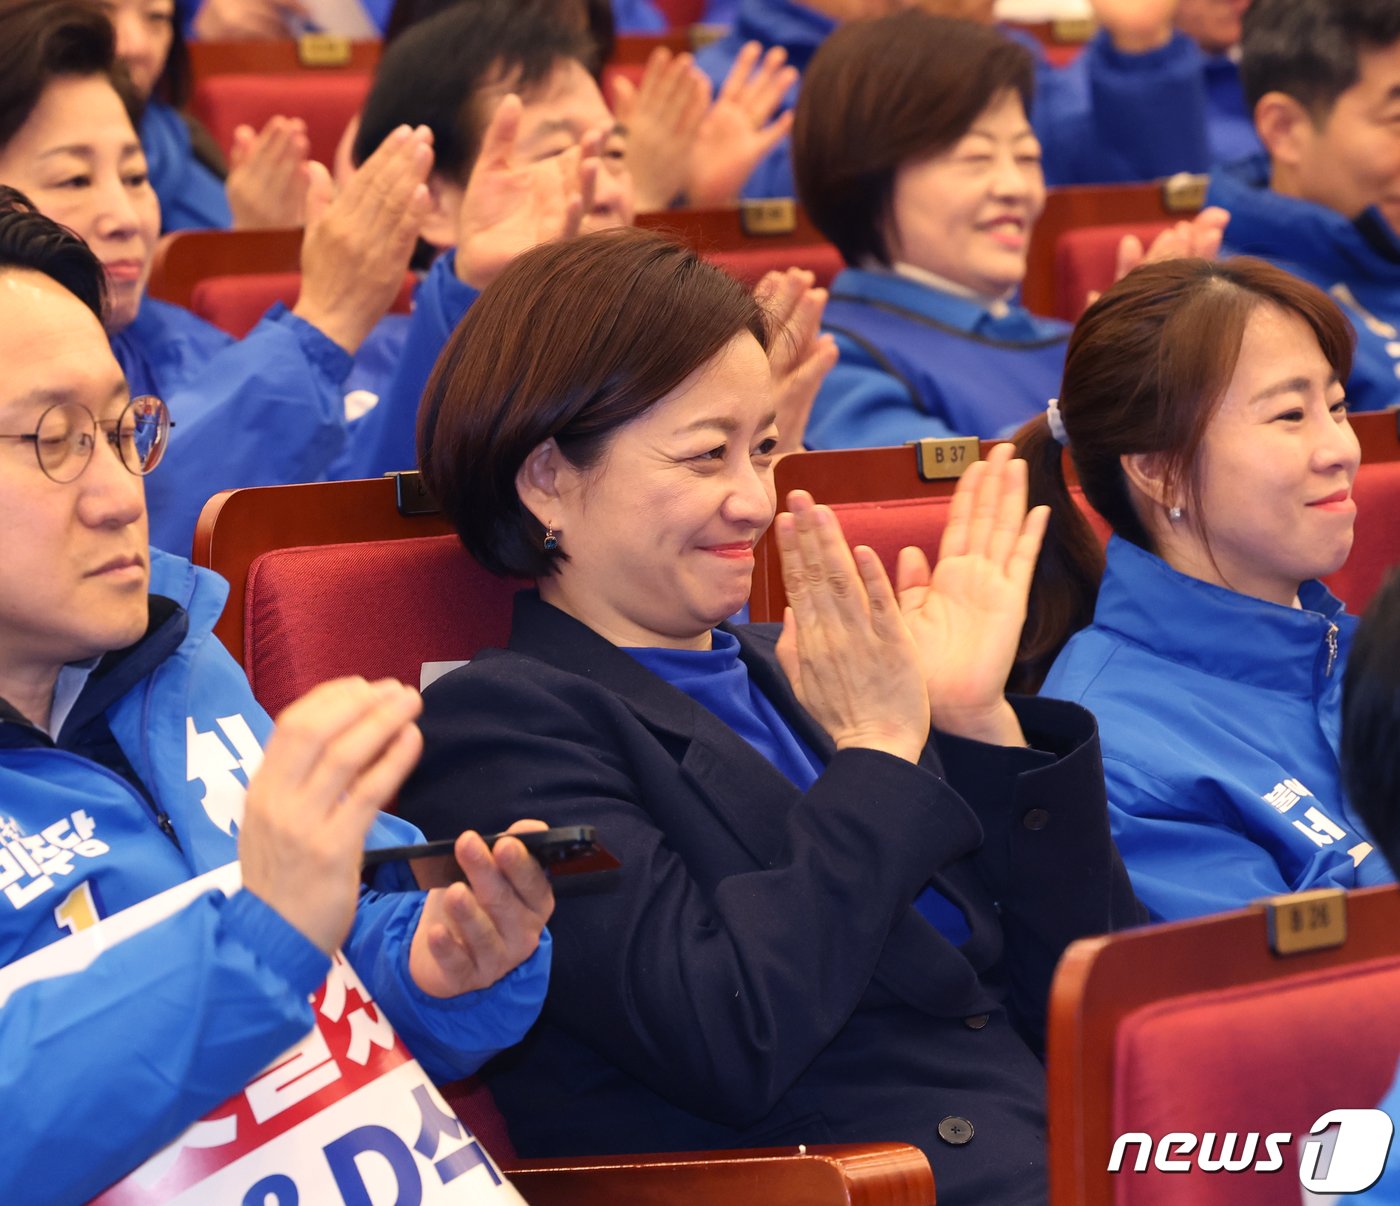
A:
(977, 1021)
(1037, 818)
(955, 1130)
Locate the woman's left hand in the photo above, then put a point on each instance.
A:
(966, 615)
(471, 934)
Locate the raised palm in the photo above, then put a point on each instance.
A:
(966, 615)
(509, 207)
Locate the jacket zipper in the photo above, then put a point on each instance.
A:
(1331, 647)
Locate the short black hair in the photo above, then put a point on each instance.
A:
(31, 242)
(1370, 747)
(1307, 49)
(45, 40)
(433, 72)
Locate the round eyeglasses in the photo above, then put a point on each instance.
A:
(66, 434)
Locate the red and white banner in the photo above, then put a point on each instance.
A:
(346, 1116)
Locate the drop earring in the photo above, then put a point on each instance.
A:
(551, 541)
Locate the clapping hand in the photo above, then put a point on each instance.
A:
(848, 654)
(662, 118)
(358, 243)
(266, 185)
(507, 208)
(966, 615)
(740, 129)
(799, 355)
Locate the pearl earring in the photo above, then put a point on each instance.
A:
(1174, 514)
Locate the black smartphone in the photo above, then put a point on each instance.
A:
(564, 850)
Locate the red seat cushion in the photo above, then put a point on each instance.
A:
(750, 263)
(1085, 260)
(474, 1105)
(235, 303)
(326, 101)
(377, 608)
(1261, 1058)
(1376, 548)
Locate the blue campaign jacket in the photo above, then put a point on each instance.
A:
(1358, 263)
(264, 410)
(190, 195)
(1108, 117)
(1219, 715)
(101, 1068)
(918, 362)
(384, 438)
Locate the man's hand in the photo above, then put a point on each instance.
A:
(661, 118)
(357, 246)
(471, 934)
(740, 129)
(336, 757)
(509, 207)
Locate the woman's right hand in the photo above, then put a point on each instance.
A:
(844, 645)
(336, 757)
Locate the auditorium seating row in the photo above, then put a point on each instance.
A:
(1195, 1026)
(230, 277)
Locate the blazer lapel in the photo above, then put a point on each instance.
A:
(748, 794)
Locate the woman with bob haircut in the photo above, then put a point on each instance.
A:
(1203, 410)
(264, 410)
(914, 153)
(849, 863)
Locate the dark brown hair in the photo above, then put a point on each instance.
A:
(1145, 371)
(882, 93)
(572, 341)
(45, 40)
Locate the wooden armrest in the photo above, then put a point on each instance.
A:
(848, 1174)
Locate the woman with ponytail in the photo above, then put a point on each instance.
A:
(1203, 412)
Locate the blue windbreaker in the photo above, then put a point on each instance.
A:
(264, 410)
(1219, 716)
(1358, 263)
(1107, 117)
(918, 362)
(191, 196)
(385, 438)
(101, 1068)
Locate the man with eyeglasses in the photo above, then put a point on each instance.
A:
(134, 758)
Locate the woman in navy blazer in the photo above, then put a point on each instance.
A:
(849, 863)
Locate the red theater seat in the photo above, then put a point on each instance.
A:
(235, 303)
(326, 101)
(751, 239)
(1376, 549)
(1086, 259)
(1199, 1026)
(359, 578)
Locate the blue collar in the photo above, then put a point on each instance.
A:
(960, 313)
(1219, 631)
(1266, 223)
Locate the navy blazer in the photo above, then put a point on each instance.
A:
(755, 973)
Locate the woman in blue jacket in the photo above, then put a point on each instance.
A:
(265, 185)
(264, 410)
(914, 154)
(133, 758)
(1203, 411)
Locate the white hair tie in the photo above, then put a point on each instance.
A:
(1056, 422)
